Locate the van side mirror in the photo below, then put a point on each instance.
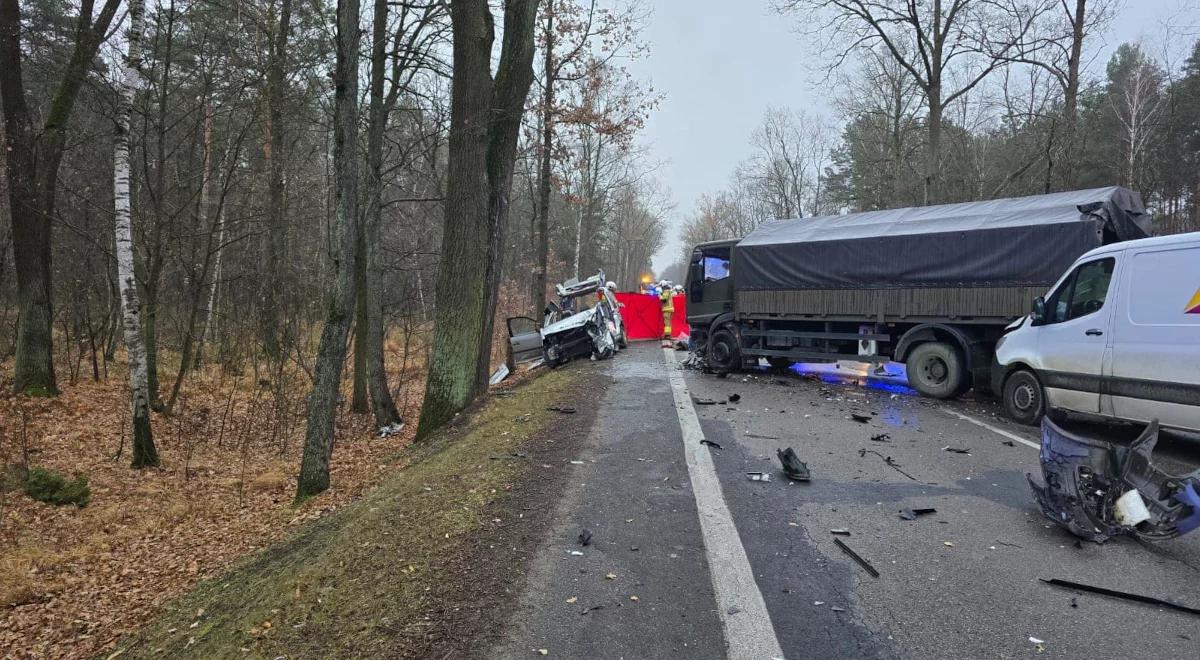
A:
(1038, 313)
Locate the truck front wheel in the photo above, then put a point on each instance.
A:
(724, 354)
(936, 370)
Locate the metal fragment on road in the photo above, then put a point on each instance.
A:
(1113, 593)
(855, 556)
(793, 467)
(758, 476)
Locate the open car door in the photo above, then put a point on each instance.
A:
(524, 339)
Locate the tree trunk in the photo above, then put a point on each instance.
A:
(33, 159)
(514, 76)
(331, 353)
(276, 284)
(485, 122)
(144, 452)
(1071, 96)
(359, 400)
(382, 403)
(933, 147)
(543, 210)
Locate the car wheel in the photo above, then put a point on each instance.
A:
(724, 354)
(1024, 399)
(609, 347)
(936, 370)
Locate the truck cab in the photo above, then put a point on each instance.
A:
(709, 285)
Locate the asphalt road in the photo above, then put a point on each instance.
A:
(958, 583)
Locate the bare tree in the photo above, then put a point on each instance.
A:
(946, 46)
(33, 156)
(485, 122)
(144, 452)
(331, 353)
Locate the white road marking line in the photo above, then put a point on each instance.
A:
(1010, 436)
(748, 630)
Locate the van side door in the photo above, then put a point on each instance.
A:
(1074, 337)
(1156, 337)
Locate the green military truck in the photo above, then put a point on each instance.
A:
(932, 287)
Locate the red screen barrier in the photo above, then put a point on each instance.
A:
(643, 316)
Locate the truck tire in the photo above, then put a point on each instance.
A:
(724, 354)
(1024, 399)
(936, 370)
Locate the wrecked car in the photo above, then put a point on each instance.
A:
(586, 320)
(1098, 490)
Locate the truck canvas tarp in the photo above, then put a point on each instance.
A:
(1013, 246)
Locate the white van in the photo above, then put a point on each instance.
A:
(1118, 336)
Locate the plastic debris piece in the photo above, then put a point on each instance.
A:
(585, 537)
(610, 576)
(566, 410)
(706, 402)
(948, 544)
(880, 437)
(758, 476)
(861, 419)
(735, 397)
(793, 467)
(576, 553)
(854, 555)
(840, 532)
(957, 450)
(710, 443)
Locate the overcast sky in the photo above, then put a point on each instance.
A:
(721, 63)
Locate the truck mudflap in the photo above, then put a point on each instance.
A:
(1098, 490)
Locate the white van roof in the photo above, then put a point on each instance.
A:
(1155, 241)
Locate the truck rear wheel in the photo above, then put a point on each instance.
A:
(936, 370)
(724, 354)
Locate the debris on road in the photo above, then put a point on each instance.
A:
(758, 476)
(499, 374)
(566, 410)
(1008, 443)
(948, 544)
(793, 467)
(861, 419)
(390, 430)
(881, 437)
(835, 608)
(1112, 593)
(1097, 490)
(762, 437)
(957, 450)
(585, 536)
(1041, 644)
(912, 514)
(524, 418)
(840, 532)
(508, 457)
(576, 553)
(854, 555)
(707, 402)
(710, 443)
(887, 461)
(735, 397)
(610, 576)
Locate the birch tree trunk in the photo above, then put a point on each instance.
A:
(144, 453)
(331, 353)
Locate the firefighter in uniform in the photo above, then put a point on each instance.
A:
(666, 297)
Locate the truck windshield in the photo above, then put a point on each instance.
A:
(715, 268)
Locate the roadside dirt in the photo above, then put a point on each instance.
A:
(422, 565)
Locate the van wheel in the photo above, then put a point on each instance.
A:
(724, 354)
(1024, 400)
(936, 370)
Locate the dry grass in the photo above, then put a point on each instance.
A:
(75, 580)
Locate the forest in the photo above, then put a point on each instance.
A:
(250, 249)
